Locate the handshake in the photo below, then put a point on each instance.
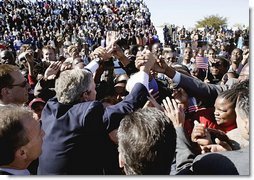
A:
(147, 60)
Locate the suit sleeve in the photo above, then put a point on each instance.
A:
(134, 100)
(203, 91)
(184, 154)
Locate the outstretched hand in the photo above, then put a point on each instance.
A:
(160, 66)
(145, 61)
(200, 134)
(100, 52)
(52, 71)
(152, 100)
(111, 38)
(218, 147)
(174, 112)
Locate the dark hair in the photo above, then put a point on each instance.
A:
(230, 95)
(243, 104)
(5, 77)
(12, 132)
(242, 86)
(147, 142)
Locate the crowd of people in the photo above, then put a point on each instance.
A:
(88, 88)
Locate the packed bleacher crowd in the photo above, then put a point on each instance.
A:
(87, 87)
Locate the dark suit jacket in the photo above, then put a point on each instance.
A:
(223, 163)
(205, 92)
(220, 163)
(76, 136)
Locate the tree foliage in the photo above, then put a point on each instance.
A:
(212, 21)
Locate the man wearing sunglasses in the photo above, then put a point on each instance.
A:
(7, 57)
(13, 86)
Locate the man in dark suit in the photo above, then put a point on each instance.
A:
(196, 88)
(20, 140)
(77, 126)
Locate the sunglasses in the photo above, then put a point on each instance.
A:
(217, 64)
(23, 84)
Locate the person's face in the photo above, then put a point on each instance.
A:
(217, 68)
(169, 57)
(127, 52)
(222, 48)
(18, 89)
(75, 53)
(187, 54)
(6, 58)
(236, 56)
(49, 55)
(224, 112)
(35, 135)
(211, 55)
(156, 49)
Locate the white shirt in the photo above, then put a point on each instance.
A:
(139, 77)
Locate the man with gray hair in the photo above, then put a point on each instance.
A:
(146, 142)
(77, 126)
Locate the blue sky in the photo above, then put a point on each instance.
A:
(188, 12)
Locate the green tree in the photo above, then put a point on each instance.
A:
(214, 21)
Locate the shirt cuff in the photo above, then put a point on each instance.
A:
(92, 66)
(176, 79)
(139, 77)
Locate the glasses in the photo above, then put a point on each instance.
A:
(23, 84)
(217, 64)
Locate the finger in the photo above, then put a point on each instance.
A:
(169, 104)
(149, 98)
(174, 104)
(150, 91)
(156, 97)
(196, 123)
(201, 141)
(52, 65)
(156, 93)
(222, 143)
(165, 104)
(205, 149)
(147, 103)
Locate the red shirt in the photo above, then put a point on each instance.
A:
(202, 115)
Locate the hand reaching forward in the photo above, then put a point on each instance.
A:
(200, 134)
(174, 112)
(52, 71)
(111, 38)
(100, 52)
(218, 147)
(147, 58)
(152, 100)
